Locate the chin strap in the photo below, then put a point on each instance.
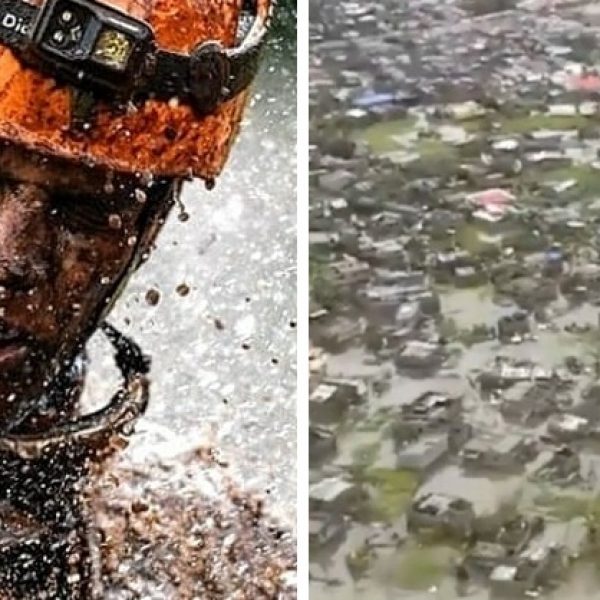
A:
(95, 429)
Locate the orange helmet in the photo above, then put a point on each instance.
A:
(154, 86)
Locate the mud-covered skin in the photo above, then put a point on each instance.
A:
(65, 240)
(43, 522)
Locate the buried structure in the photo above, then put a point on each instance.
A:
(93, 151)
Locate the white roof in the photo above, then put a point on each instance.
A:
(535, 554)
(323, 393)
(439, 501)
(486, 215)
(338, 203)
(329, 489)
(503, 573)
(571, 422)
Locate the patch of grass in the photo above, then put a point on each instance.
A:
(420, 568)
(588, 179)
(529, 123)
(448, 328)
(565, 508)
(393, 491)
(366, 454)
(467, 237)
(359, 562)
(380, 136)
(476, 335)
(436, 159)
(322, 290)
(434, 148)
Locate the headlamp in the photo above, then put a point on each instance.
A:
(92, 46)
(105, 54)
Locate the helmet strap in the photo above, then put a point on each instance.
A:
(83, 109)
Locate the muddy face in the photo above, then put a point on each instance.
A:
(67, 238)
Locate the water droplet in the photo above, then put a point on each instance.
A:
(152, 297)
(115, 221)
(140, 196)
(183, 289)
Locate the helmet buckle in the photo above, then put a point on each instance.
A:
(83, 110)
(209, 76)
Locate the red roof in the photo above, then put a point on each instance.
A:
(586, 83)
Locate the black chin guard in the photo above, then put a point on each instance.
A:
(118, 417)
(102, 53)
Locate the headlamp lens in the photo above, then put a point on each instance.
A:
(66, 29)
(67, 17)
(113, 49)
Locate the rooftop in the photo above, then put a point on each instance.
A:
(323, 393)
(503, 573)
(329, 489)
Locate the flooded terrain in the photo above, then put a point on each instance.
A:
(455, 300)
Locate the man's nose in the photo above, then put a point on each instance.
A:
(25, 237)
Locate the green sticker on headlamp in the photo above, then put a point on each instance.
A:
(113, 49)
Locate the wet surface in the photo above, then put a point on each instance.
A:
(221, 326)
(468, 127)
(205, 538)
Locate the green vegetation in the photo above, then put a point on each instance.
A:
(422, 567)
(448, 329)
(479, 7)
(322, 290)
(527, 123)
(588, 179)
(380, 136)
(366, 454)
(435, 149)
(476, 335)
(565, 508)
(436, 158)
(393, 491)
(469, 239)
(359, 562)
(468, 337)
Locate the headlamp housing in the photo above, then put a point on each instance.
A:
(102, 53)
(174, 111)
(93, 45)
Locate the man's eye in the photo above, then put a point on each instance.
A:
(81, 213)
